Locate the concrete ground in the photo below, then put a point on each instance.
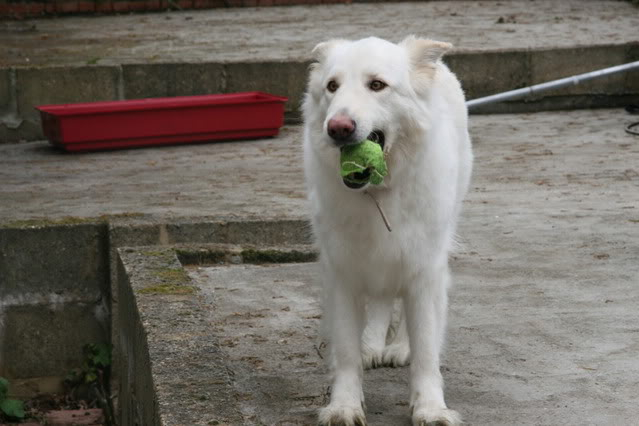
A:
(289, 33)
(250, 178)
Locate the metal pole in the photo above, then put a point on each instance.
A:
(555, 84)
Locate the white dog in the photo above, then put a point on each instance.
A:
(404, 98)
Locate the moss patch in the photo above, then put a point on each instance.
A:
(166, 255)
(168, 289)
(65, 220)
(202, 257)
(173, 281)
(38, 223)
(173, 275)
(276, 256)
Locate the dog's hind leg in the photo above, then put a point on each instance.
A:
(378, 316)
(345, 315)
(397, 353)
(425, 303)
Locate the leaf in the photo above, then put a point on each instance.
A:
(12, 408)
(90, 377)
(4, 388)
(98, 354)
(102, 355)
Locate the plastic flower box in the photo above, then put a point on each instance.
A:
(162, 121)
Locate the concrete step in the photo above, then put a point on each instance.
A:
(263, 179)
(499, 46)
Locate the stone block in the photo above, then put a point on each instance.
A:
(632, 77)
(487, 73)
(54, 85)
(53, 263)
(26, 131)
(279, 78)
(47, 340)
(163, 80)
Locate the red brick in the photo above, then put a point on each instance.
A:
(121, 5)
(89, 417)
(103, 6)
(86, 6)
(204, 4)
(152, 4)
(185, 4)
(20, 10)
(66, 6)
(136, 6)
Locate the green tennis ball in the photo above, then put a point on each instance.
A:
(363, 162)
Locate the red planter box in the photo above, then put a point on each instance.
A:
(161, 121)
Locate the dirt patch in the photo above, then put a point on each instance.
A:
(58, 410)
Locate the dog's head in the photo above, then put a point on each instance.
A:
(369, 89)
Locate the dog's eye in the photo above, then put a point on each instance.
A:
(332, 86)
(377, 85)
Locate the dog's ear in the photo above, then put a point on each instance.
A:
(423, 54)
(320, 52)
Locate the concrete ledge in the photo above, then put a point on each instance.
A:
(57, 276)
(177, 79)
(481, 74)
(173, 369)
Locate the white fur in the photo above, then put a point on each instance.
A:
(364, 267)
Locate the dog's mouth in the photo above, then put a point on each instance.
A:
(378, 137)
(359, 180)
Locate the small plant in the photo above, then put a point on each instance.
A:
(11, 408)
(91, 382)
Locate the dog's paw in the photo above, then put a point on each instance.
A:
(396, 355)
(372, 358)
(342, 415)
(436, 417)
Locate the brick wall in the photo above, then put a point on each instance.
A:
(18, 9)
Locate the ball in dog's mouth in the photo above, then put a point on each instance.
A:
(359, 177)
(362, 178)
(378, 137)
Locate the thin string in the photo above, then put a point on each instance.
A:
(381, 212)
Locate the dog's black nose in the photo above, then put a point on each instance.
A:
(341, 127)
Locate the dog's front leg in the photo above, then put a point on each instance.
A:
(344, 314)
(425, 303)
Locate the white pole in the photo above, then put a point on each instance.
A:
(555, 84)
